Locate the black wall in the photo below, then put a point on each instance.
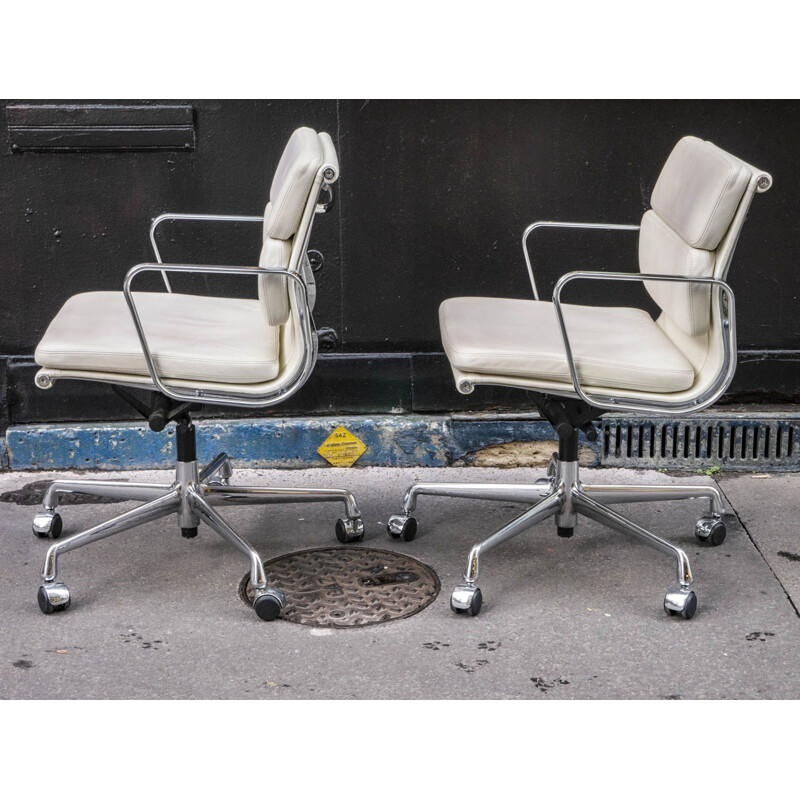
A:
(432, 201)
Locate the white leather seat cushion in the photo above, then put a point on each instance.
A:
(191, 337)
(613, 347)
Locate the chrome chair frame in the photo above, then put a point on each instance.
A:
(194, 492)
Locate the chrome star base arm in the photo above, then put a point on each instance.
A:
(509, 492)
(649, 494)
(110, 490)
(593, 510)
(348, 529)
(191, 498)
(404, 525)
(258, 578)
(155, 509)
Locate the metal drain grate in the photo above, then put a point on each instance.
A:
(344, 587)
(729, 443)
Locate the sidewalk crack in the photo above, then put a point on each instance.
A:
(758, 549)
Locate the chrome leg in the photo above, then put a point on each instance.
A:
(466, 596)
(647, 494)
(112, 490)
(166, 504)
(591, 508)
(546, 508)
(258, 578)
(405, 526)
(264, 495)
(510, 492)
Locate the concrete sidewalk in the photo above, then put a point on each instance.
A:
(157, 616)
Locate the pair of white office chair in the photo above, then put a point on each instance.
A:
(578, 360)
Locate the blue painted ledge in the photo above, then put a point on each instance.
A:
(392, 441)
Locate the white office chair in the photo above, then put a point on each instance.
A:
(190, 349)
(580, 361)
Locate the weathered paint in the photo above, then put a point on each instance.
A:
(399, 441)
(424, 441)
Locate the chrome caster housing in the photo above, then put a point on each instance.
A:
(401, 525)
(222, 477)
(711, 530)
(466, 599)
(268, 603)
(680, 601)
(350, 530)
(47, 525)
(53, 597)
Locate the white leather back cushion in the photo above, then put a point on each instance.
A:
(662, 251)
(302, 157)
(272, 290)
(698, 191)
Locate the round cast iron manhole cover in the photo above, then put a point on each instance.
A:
(344, 587)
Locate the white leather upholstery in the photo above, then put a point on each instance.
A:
(302, 157)
(663, 252)
(698, 206)
(698, 191)
(259, 348)
(614, 347)
(693, 203)
(272, 291)
(191, 337)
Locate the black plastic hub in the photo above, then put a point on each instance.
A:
(565, 533)
(188, 533)
(185, 440)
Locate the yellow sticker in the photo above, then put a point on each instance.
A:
(341, 448)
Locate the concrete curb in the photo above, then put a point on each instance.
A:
(401, 441)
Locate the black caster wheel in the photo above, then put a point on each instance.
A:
(680, 602)
(711, 530)
(47, 525)
(466, 599)
(53, 597)
(400, 525)
(350, 530)
(269, 605)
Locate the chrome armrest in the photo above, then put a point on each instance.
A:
(603, 226)
(221, 397)
(191, 217)
(727, 316)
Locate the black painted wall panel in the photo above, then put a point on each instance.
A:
(432, 202)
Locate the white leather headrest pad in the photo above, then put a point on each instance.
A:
(301, 159)
(698, 191)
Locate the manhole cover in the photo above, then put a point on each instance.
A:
(344, 587)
